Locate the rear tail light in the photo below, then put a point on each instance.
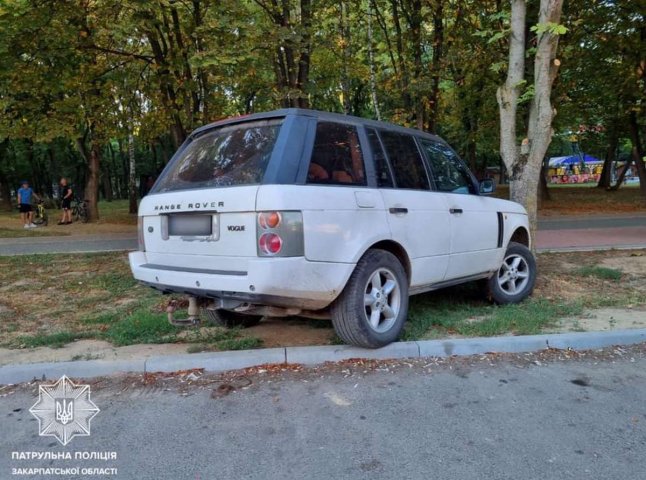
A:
(141, 244)
(270, 243)
(280, 234)
(268, 220)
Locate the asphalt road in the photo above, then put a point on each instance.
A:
(605, 226)
(459, 419)
(577, 223)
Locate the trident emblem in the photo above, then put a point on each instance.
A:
(64, 411)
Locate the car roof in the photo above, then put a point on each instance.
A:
(327, 116)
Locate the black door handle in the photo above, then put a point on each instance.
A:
(455, 211)
(398, 210)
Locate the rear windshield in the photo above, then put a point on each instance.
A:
(233, 155)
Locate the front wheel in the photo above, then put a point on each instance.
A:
(372, 309)
(515, 279)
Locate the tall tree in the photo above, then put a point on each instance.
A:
(290, 28)
(524, 159)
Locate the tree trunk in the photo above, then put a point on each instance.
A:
(5, 187)
(53, 169)
(404, 81)
(132, 183)
(638, 153)
(346, 56)
(92, 182)
(507, 96)
(605, 178)
(5, 193)
(543, 191)
(622, 174)
(525, 163)
(438, 53)
(371, 61)
(106, 180)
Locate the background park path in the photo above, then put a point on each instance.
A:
(556, 233)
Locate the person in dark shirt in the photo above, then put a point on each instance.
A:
(66, 202)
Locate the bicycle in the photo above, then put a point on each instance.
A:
(40, 214)
(79, 210)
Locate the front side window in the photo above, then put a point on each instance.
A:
(448, 171)
(406, 161)
(336, 158)
(231, 155)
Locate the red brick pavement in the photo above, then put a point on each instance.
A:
(591, 238)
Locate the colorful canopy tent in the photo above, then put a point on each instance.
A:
(573, 160)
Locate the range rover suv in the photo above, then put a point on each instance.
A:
(299, 212)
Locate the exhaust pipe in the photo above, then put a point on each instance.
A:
(193, 313)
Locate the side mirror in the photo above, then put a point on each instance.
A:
(487, 186)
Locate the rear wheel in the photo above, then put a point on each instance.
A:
(515, 279)
(229, 319)
(83, 213)
(41, 220)
(372, 309)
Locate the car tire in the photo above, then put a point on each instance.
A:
(229, 319)
(373, 307)
(514, 281)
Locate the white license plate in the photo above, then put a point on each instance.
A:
(192, 225)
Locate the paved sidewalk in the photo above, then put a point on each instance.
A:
(68, 244)
(578, 239)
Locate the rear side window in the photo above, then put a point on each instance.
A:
(407, 163)
(384, 178)
(336, 158)
(231, 155)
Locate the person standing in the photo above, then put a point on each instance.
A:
(25, 193)
(66, 202)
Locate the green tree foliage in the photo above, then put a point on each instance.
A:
(79, 78)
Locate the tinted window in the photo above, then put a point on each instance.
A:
(407, 164)
(384, 178)
(233, 155)
(337, 157)
(448, 171)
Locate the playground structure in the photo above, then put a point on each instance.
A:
(585, 168)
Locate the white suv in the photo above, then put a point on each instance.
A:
(298, 212)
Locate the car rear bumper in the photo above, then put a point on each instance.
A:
(285, 282)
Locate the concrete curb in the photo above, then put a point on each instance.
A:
(223, 361)
(215, 361)
(591, 248)
(76, 369)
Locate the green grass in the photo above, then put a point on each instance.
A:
(105, 318)
(19, 261)
(142, 327)
(115, 283)
(32, 232)
(116, 212)
(603, 273)
(53, 340)
(460, 311)
(227, 344)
